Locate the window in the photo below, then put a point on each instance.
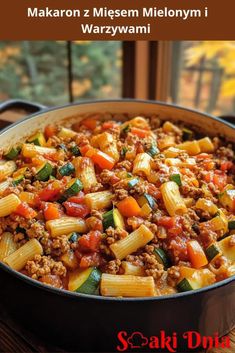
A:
(56, 72)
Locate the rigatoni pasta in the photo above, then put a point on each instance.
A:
(119, 206)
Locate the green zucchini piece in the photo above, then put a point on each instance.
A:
(187, 134)
(113, 218)
(16, 181)
(133, 182)
(13, 153)
(66, 169)
(161, 257)
(153, 150)
(85, 282)
(73, 188)
(44, 172)
(186, 285)
(212, 251)
(126, 129)
(176, 178)
(37, 139)
(231, 224)
(73, 237)
(227, 249)
(146, 198)
(75, 151)
(124, 151)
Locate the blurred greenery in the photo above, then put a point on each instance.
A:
(38, 70)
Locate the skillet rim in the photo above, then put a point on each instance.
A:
(66, 293)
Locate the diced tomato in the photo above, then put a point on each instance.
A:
(94, 223)
(90, 241)
(177, 247)
(75, 209)
(50, 130)
(51, 192)
(109, 125)
(226, 165)
(89, 123)
(220, 179)
(203, 156)
(93, 259)
(25, 211)
(167, 222)
(208, 164)
(77, 199)
(154, 191)
(51, 211)
(208, 177)
(52, 280)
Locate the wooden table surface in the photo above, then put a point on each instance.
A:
(15, 339)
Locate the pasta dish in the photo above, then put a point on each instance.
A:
(119, 208)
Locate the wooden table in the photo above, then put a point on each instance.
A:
(15, 339)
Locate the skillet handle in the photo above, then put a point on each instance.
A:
(20, 104)
(229, 118)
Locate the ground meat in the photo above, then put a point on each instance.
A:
(173, 275)
(155, 122)
(127, 165)
(207, 236)
(114, 235)
(139, 188)
(225, 152)
(97, 214)
(135, 260)
(36, 230)
(151, 266)
(232, 240)
(59, 245)
(120, 194)
(44, 265)
(96, 187)
(113, 267)
(105, 176)
(191, 191)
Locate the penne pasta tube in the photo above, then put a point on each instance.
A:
(66, 225)
(176, 162)
(191, 147)
(172, 152)
(169, 127)
(172, 199)
(7, 245)
(6, 169)
(132, 242)
(18, 259)
(99, 200)
(108, 145)
(138, 121)
(4, 185)
(206, 205)
(142, 164)
(126, 286)
(206, 145)
(85, 171)
(130, 269)
(30, 150)
(8, 204)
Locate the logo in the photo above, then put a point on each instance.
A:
(191, 340)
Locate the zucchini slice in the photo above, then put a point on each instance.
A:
(212, 251)
(231, 224)
(18, 176)
(146, 198)
(176, 178)
(86, 281)
(75, 151)
(66, 169)
(73, 237)
(44, 172)
(186, 285)
(37, 139)
(227, 199)
(133, 182)
(161, 257)
(227, 249)
(13, 153)
(73, 188)
(113, 218)
(187, 134)
(153, 151)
